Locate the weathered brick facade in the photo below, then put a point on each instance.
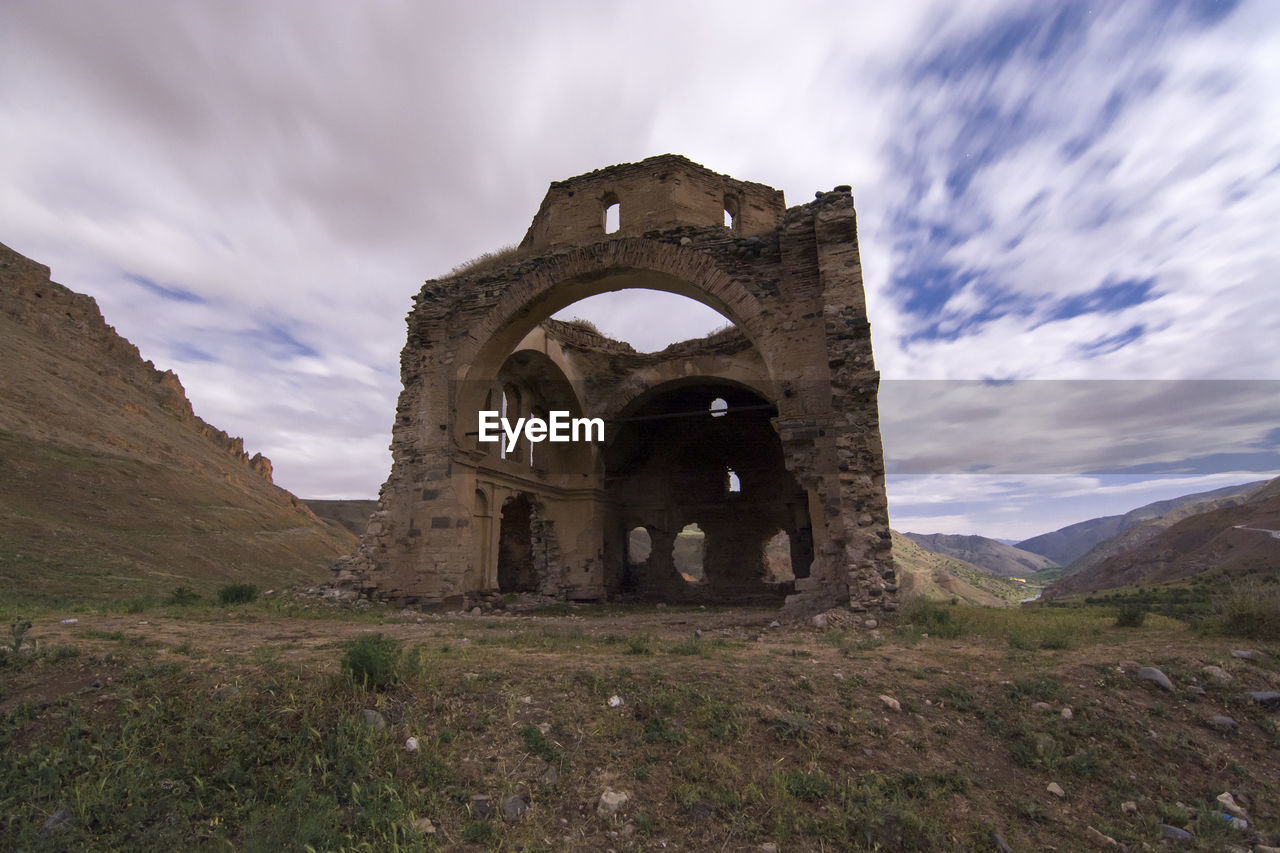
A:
(801, 439)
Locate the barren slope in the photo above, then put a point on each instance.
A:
(994, 556)
(107, 475)
(927, 574)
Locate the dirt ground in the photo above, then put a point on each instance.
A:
(988, 725)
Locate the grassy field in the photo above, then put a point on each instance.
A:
(154, 725)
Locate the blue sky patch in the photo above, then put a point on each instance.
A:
(278, 342)
(1102, 346)
(1106, 298)
(186, 352)
(177, 294)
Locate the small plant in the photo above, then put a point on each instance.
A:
(810, 787)
(372, 661)
(641, 644)
(183, 596)
(1131, 615)
(237, 593)
(537, 743)
(18, 630)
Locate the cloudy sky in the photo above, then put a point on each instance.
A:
(1059, 193)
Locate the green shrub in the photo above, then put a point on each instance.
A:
(537, 743)
(372, 661)
(237, 593)
(182, 595)
(1131, 615)
(641, 644)
(1252, 611)
(18, 630)
(934, 619)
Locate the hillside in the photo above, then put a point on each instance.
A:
(352, 515)
(1069, 543)
(1215, 542)
(926, 574)
(989, 554)
(1145, 531)
(110, 482)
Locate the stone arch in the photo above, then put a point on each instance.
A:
(612, 265)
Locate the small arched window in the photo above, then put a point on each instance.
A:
(719, 407)
(639, 544)
(731, 212)
(612, 211)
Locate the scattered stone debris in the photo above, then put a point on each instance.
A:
(1218, 674)
(1129, 807)
(1226, 725)
(482, 806)
(611, 802)
(424, 826)
(891, 703)
(1150, 673)
(1055, 789)
(819, 621)
(615, 701)
(513, 808)
(1229, 803)
(1067, 713)
(1172, 833)
(411, 744)
(1248, 654)
(1265, 698)
(373, 719)
(550, 775)
(1042, 706)
(1100, 838)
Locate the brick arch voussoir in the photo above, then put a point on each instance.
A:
(695, 268)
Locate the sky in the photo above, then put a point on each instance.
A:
(1068, 195)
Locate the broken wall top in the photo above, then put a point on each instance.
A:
(656, 194)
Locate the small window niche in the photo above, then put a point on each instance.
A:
(639, 545)
(733, 485)
(611, 209)
(719, 407)
(731, 212)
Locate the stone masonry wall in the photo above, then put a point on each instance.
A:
(789, 279)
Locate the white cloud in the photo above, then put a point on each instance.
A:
(305, 165)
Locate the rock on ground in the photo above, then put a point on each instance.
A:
(611, 801)
(1150, 673)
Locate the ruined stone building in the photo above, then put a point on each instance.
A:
(742, 467)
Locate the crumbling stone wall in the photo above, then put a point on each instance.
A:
(796, 368)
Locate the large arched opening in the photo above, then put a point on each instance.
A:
(697, 465)
(602, 268)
